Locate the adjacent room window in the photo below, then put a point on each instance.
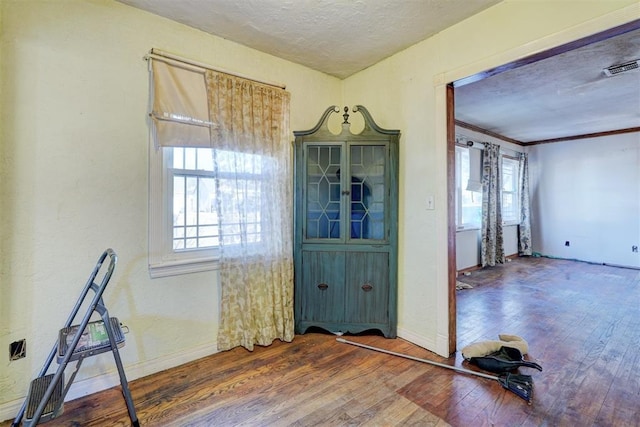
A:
(510, 205)
(468, 189)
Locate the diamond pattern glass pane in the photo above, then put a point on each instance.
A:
(323, 192)
(367, 192)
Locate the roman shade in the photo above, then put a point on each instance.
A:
(179, 108)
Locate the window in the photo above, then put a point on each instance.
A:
(192, 183)
(193, 194)
(184, 230)
(468, 188)
(241, 177)
(510, 205)
(183, 223)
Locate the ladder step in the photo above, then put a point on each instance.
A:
(94, 339)
(36, 393)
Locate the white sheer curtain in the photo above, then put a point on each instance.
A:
(252, 160)
(492, 244)
(524, 230)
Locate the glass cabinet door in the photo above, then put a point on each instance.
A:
(364, 194)
(367, 194)
(323, 195)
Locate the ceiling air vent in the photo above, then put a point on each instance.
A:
(621, 68)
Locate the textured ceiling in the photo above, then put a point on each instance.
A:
(564, 95)
(338, 37)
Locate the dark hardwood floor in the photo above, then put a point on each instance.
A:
(582, 323)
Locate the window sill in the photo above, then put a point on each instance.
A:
(467, 228)
(175, 268)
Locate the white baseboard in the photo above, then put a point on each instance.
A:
(440, 346)
(8, 410)
(417, 339)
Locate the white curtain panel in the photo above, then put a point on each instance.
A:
(524, 230)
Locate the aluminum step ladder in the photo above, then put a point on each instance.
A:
(45, 400)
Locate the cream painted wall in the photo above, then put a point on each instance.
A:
(74, 164)
(587, 192)
(74, 91)
(408, 91)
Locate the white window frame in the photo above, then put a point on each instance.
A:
(460, 226)
(514, 220)
(163, 260)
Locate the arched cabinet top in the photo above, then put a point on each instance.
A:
(321, 129)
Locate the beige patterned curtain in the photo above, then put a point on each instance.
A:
(252, 160)
(492, 245)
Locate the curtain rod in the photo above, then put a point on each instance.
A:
(463, 141)
(159, 54)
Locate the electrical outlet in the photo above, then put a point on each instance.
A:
(18, 349)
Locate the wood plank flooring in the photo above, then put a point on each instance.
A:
(582, 323)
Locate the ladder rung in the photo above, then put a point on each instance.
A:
(94, 339)
(36, 393)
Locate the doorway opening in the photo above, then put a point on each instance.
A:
(451, 144)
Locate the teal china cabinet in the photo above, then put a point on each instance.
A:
(346, 227)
